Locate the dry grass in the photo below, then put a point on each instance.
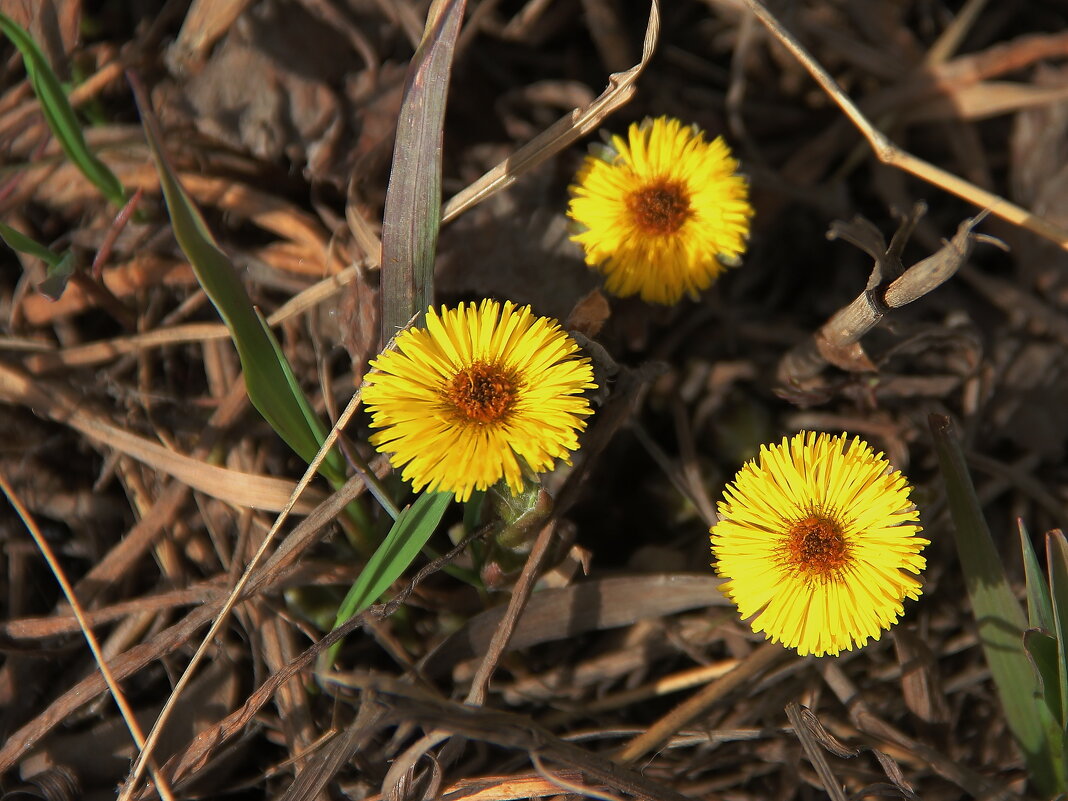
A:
(604, 661)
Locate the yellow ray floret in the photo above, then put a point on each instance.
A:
(662, 212)
(462, 401)
(818, 541)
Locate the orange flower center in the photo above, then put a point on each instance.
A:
(481, 393)
(816, 545)
(660, 208)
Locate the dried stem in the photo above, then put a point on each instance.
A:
(889, 153)
(838, 341)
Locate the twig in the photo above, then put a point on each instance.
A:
(695, 706)
(83, 623)
(868, 723)
(810, 746)
(476, 696)
(838, 341)
(508, 730)
(117, 226)
(815, 740)
(889, 153)
(153, 737)
(314, 776)
(689, 489)
(99, 292)
(582, 791)
(560, 134)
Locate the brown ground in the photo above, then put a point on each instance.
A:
(281, 124)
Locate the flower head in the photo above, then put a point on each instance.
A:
(462, 401)
(818, 541)
(661, 212)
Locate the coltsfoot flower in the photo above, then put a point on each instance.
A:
(462, 401)
(818, 541)
(662, 212)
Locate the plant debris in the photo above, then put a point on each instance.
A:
(593, 651)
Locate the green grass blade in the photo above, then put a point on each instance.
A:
(1000, 620)
(59, 115)
(268, 378)
(16, 240)
(1039, 605)
(405, 540)
(60, 265)
(413, 200)
(1042, 650)
(1057, 562)
(57, 276)
(333, 465)
(1042, 646)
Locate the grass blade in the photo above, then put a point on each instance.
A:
(16, 240)
(271, 386)
(1000, 620)
(59, 115)
(1042, 649)
(60, 265)
(413, 200)
(57, 276)
(1057, 562)
(1039, 605)
(292, 385)
(406, 538)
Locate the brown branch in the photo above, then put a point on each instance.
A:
(889, 153)
(837, 342)
(505, 729)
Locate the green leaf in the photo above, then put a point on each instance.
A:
(59, 115)
(60, 265)
(1039, 640)
(406, 538)
(1000, 621)
(57, 276)
(1057, 563)
(16, 240)
(1043, 652)
(271, 386)
(398, 550)
(1039, 605)
(412, 214)
(293, 390)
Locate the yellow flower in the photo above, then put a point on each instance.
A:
(462, 402)
(662, 212)
(819, 542)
